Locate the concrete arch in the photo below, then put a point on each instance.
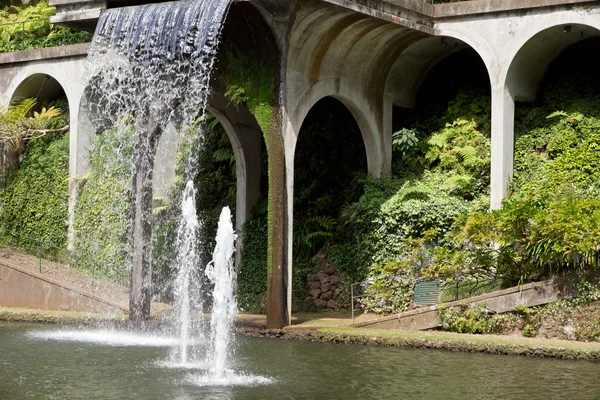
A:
(353, 98)
(476, 42)
(241, 167)
(246, 139)
(521, 76)
(413, 66)
(46, 82)
(524, 64)
(66, 73)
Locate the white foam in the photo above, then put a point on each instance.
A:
(108, 338)
(229, 378)
(184, 365)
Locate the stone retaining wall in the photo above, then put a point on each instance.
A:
(325, 287)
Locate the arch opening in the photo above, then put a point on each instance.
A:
(329, 163)
(454, 91)
(34, 164)
(42, 87)
(523, 76)
(554, 135)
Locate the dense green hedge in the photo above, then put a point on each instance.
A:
(35, 198)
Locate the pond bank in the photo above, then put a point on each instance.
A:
(253, 326)
(491, 344)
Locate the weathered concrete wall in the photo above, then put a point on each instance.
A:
(531, 295)
(20, 288)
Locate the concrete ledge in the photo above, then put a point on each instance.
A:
(413, 14)
(72, 50)
(532, 294)
(475, 7)
(20, 288)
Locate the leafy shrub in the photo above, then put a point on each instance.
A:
(476, 319)
(389, 288)
(38, 33)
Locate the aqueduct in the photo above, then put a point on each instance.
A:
(371, 55)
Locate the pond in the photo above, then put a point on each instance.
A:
(62, 363)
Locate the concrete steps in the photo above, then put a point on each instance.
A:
(501, 301)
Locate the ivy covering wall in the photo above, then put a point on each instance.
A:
(35, 198)
(35, 191)
(102, 213)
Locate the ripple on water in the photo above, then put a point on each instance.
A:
(108, 338)
(230, 378)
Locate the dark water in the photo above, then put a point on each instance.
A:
(37, 367)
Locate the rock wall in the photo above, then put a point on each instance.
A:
(325, 287)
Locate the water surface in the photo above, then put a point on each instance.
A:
(44, 362)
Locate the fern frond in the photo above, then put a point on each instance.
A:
(467, 153)
(21, 109)
(222, 155)
(49, 113)
(419, 191)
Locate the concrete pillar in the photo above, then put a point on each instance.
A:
(165, 163)
(290, 147)
(386, 135)
(73, 165)
(278, 268)
(503, 126)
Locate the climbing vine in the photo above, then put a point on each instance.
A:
(102, 214)
(35, 192)
(35, 198)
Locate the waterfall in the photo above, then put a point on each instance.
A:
(147, 66)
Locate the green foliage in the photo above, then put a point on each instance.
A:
(250, 82)
(475, 319)
(252, 275)
(20, 123)
(102, 213)
(389, 289)
(38, 32)
(310, 234)
(35, 198)
(404, 140)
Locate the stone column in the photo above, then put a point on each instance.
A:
(278, 281)
(503, 125)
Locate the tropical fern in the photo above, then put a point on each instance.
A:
(222, 154)
(312, 233)
(18, 125)
(418, 190)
